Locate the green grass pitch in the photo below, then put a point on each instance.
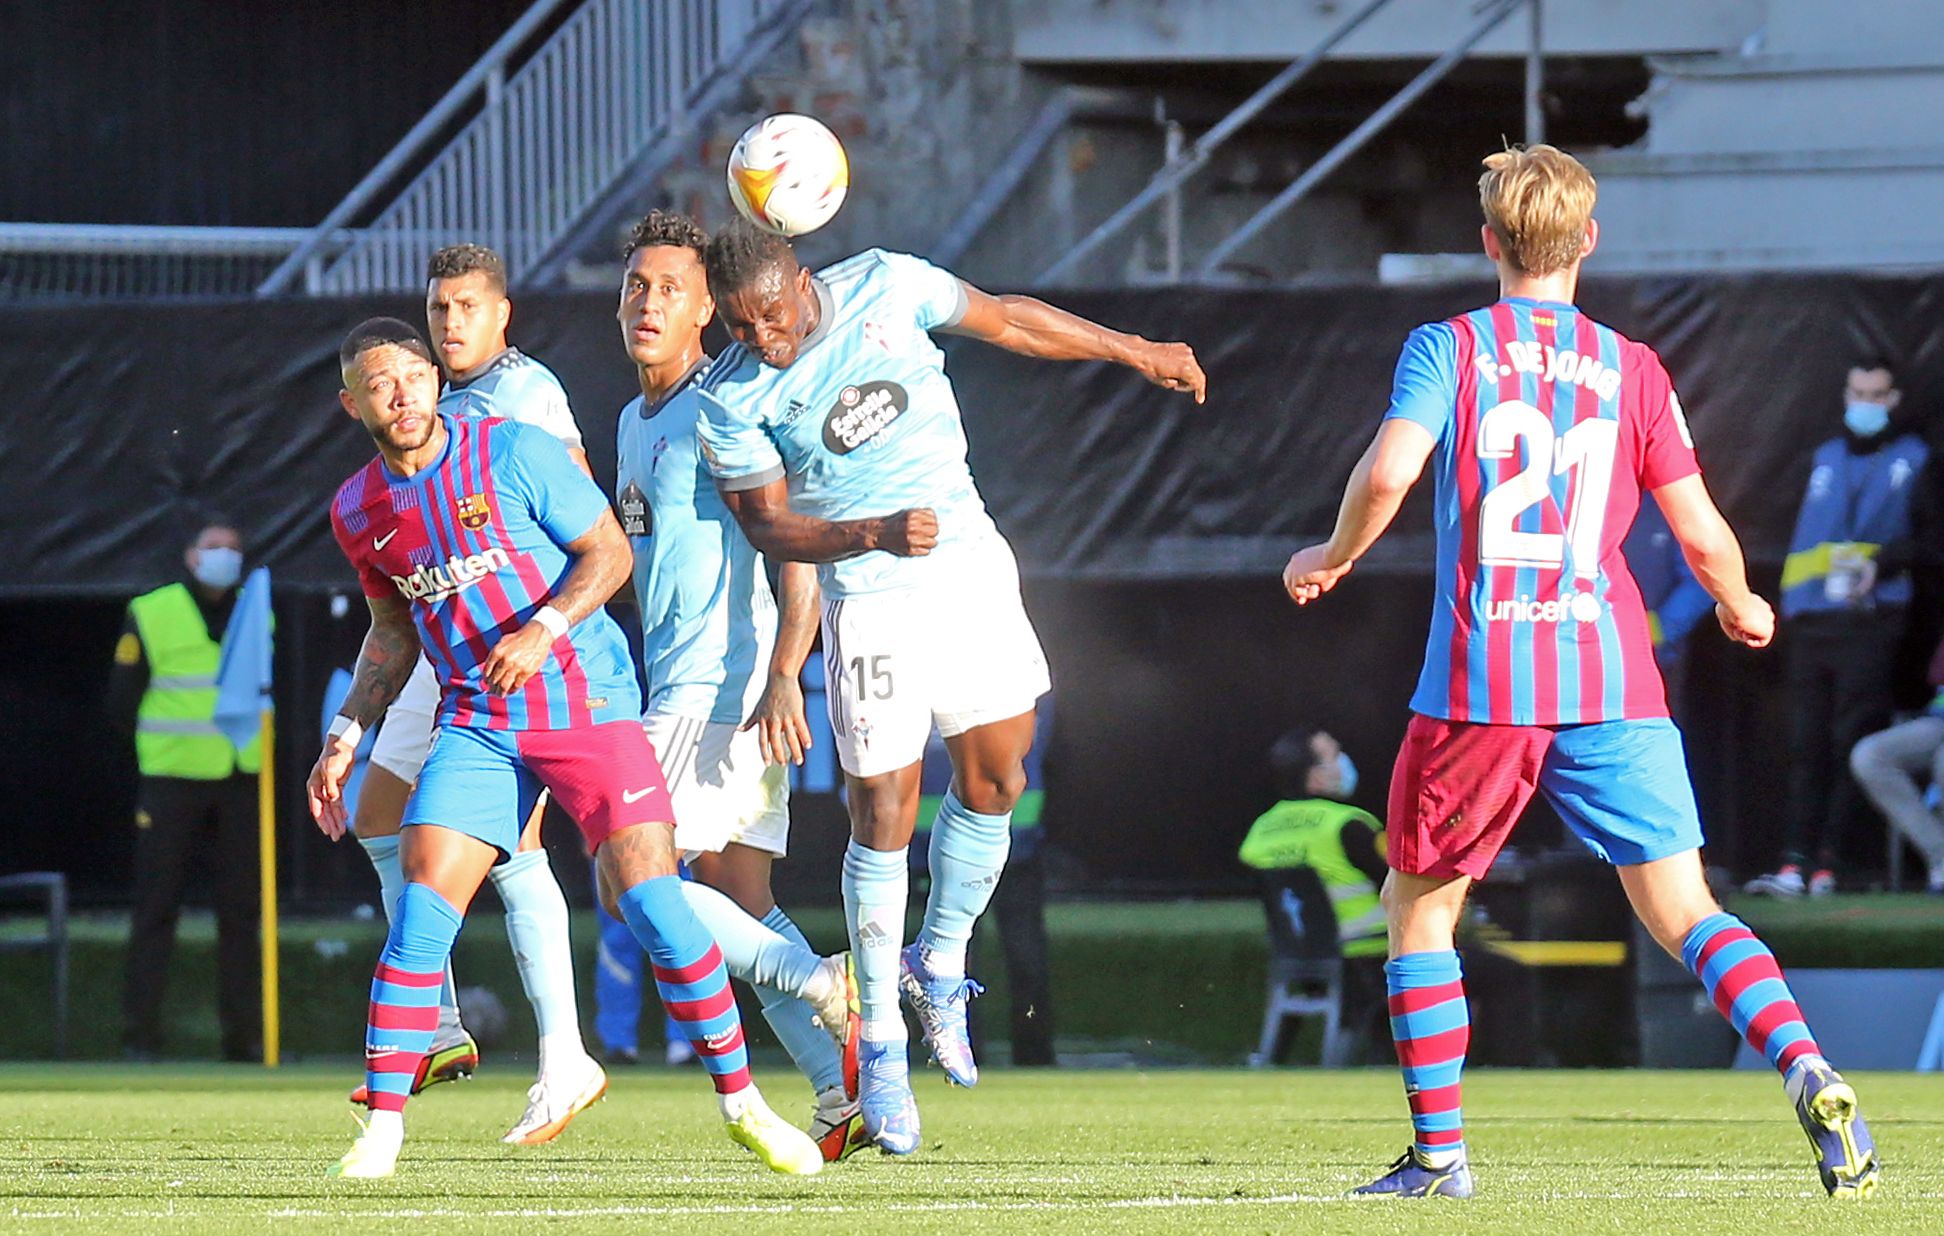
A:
(216, 1149)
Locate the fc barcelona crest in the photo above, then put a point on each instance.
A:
(473, 512)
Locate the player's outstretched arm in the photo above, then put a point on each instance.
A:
(390, 653)
(780, 533)
(782, 728)
(1391, 464)
(602, 560)
(1034, 328)
(1715, 556)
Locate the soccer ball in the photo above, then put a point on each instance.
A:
(788, 174)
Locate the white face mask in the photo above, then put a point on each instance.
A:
(1346, 775)
(218, 566)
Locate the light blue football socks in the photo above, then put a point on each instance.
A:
(754, 952)
(537, 928)
(876, 888)
(794, 1024)
(968, 852)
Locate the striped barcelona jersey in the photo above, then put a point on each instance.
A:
(475, 542)
(1549, 427)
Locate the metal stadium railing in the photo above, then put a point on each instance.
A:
(545, 143)
(87, 261)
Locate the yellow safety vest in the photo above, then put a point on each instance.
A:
(1309, 833)
(174, 733)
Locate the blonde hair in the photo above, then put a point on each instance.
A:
(1537, 201)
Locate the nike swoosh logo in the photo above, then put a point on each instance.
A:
(635, 796)
(379, 542)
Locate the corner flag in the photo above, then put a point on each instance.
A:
(243, 709)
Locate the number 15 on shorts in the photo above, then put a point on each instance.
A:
(872, 676)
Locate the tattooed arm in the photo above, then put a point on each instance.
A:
(390, 653)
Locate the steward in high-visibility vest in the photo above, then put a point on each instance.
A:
(1311, 832)
(1314, 848)
(174, 733)
(196, 817)
(1313, 827)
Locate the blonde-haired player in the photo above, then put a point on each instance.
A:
(1546, 427)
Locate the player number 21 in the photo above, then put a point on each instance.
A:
(1587, 449)
(873, 678)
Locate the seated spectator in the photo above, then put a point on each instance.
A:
(1313, 830)
(1888, 763)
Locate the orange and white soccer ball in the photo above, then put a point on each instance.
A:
(788, 174)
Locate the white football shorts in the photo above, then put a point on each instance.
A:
(957, 652)
(405, 735)
(722, 789)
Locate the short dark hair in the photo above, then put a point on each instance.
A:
(740, 254)
(377, 333)
(456, 260)
(1290, 761)
(1868, 361)
(666, 227)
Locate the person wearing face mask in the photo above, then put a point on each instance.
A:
(1846, 589)
(1315, 830)
(198, 795)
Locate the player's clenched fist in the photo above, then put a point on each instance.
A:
(909, 534)
(517, 658)
(1174, 366)
(1750, 622)
(1309, 574)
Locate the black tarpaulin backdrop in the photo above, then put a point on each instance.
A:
(129, 420)
(1151, 532)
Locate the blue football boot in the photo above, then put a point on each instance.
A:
(940, 1005)
(884, 1096)
(1845, 1153)
(1410, 1176)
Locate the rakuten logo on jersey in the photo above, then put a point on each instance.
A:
(432, 584)
(1584, 607)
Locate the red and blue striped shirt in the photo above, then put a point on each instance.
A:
(476, 541)
(1549, 428)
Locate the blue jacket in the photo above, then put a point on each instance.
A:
(1675, 600)
(1856, 502)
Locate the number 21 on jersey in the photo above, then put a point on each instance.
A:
(1584, 453)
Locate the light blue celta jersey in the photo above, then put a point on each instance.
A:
(515, 386)
(863, 423)
(708, 620)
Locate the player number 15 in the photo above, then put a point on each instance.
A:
(874, 680)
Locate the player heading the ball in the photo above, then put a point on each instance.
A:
(832, 408)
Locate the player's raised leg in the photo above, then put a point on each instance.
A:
(969, 843)
(443, 870)
(606, 777)
(808, 1000)
(1743, 979)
